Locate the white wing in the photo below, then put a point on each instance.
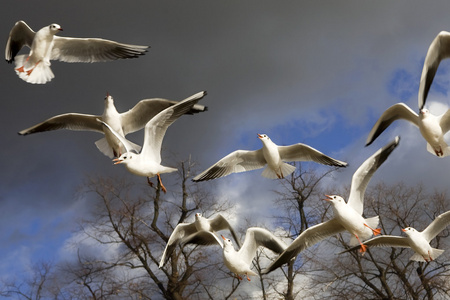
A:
(365, 172)
(129, 146)
(20, 35)
(181, 230)
(71, 121)
(438, 50)
(255, 237)
(92, 50)
(307, 238)
(235, 162)
(136, 118)
(302, 152)
(444, 121)
(220, 223)
(435, 227)
(156, 128)
(395, 112)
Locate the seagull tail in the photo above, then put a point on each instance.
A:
(434, 254)
(445, 151)
(40, 73)
(285, 168)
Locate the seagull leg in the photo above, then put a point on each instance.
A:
(248, 278)
(21, 69)
(149, 182)
(238, 277)
(375, 231)
(439, 152)
(162, 185)
(363, 247)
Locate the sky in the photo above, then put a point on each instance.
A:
(315, 72)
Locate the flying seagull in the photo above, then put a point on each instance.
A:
(148, 161)
(433, 128)
(46, 46)
(239, 261)
(123, 123)
(270, 154)
(347, 216)
(438, 50)
(201, 231)
(419, 241)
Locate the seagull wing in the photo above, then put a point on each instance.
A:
(255, 237)
(395, 112)
(181, 231)
(444, 121)
(136, 118)
(365, 172)
(438, 50)
(129, 146)
(20, 35)
(92, 50)
(383, 241)
(435, 227)
(71, 121)
(220, 223)
(156, 128)
(235, 162)
(302, 152)
(307, 238)
(203, 238)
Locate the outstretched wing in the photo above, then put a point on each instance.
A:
(181, 231)
(156, 128)
(129, 146)
(393, 113)
(92, 50)
(438, 50)
(307, 238)
(435, 227)
(220, 223)
(302, 152)
(20, 35)
(235, 162)
(136, 118)
(70, 121)
(256, 237)
(365, 172)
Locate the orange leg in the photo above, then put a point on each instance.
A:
(375, 231)
(248, 278)
(162, 185)
(149, 182)
(363, 247)
(238, 277)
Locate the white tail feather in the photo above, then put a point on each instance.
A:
(39, 75)
(434, 254)
(285, 170)
(445, 150)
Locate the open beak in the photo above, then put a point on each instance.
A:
(260, 136)
(117, 161)
(328, 198)
(60, 29)
(404, 230)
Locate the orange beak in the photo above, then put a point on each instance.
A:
(404, 230)
(329, 198)
(117, 161)
(223, 237)
(260, 136)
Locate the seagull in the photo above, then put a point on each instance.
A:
(347, 216)
(123, 123)
(239, 261)
(201, 231)
(438, 50)
(46, 46)
(270, 154)
(148, 161)
(419, 241)
(433, 128)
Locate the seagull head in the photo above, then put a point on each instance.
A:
(55, 28)
(424, 112)
(109, 99)
(263, 137)
(334, 199)
(409, 231)
(227, 242)
(124, 158)
(198, 216)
